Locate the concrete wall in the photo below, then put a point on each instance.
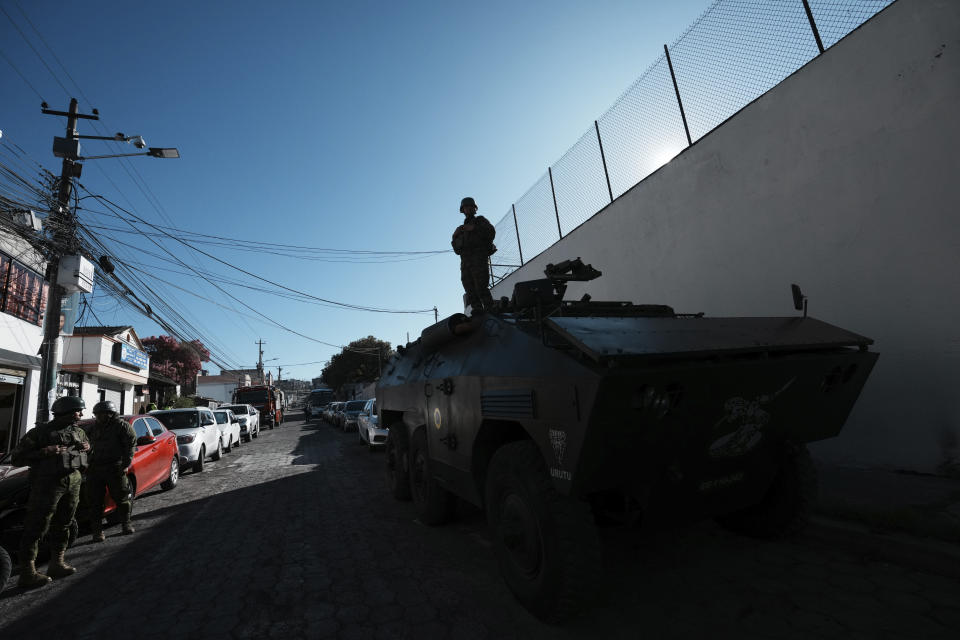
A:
(843, 179)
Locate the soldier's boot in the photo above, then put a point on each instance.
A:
(58, 568)
(96, 531)
(30, 578)
(124, 511)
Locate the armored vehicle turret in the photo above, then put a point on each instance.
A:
(554, 415)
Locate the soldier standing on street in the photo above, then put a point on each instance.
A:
(473, 242)
(55, 452)
(114, 443)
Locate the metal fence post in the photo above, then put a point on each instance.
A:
(555, 209)
(813, 25)
(603, 159)
(676, 88)
(516, 228)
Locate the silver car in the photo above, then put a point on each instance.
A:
(369, 430)
(249, 419)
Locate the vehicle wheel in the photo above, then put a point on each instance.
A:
(546, 544)
(435, 505)
(398, 475)
(256, 434)
(229, 446)
(216, 455)
(785, 509)
(6, 566)
(198, 465)
(174, 476)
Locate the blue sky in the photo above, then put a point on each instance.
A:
(353, 125)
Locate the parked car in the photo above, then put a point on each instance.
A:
(351, 410)
(198, 435)
(338, 414)
(229, 428)
(249, 419)
(368, 426)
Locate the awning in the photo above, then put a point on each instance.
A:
(21, 359)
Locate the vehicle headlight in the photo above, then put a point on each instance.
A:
(186, 439)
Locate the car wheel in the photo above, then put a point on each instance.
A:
(785, 509)
(546, 544)
(219, 452)
(229, 446)
(6, 566)
(174, 475)
(397, 474)
(256, 434)
(435, 505)
(198, 465)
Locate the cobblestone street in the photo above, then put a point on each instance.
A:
(294, 536)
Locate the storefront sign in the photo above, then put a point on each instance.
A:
(11, 379)
(131, 356)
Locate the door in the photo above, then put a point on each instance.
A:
(166, 447)
(145, 458)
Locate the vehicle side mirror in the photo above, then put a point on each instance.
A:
(145, 440)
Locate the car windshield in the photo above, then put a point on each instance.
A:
(254, 396)
(355, 405)
(221, 417)
(178, 419)
(238, 409)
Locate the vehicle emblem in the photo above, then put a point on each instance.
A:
(749, 417)
(437, 418)
(558, 439)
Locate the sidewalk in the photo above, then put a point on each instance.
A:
(906, 517)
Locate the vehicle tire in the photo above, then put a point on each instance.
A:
(257, 433)
(174, 475)
(546, 544)
(198, 464)
(6, 566)
(785, 508)
(397, 472)
(229, 447)
(435, 505)
(216, 455)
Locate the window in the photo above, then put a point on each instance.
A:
(140, 428)
(23, 293)
(155, 427)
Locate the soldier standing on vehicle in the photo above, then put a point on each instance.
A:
(473, 242)
(114, 442)
(56, 452)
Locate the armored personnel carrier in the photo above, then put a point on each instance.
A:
(557, 415)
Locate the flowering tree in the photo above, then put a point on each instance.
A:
(179, 361)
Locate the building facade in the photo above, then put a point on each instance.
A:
(106, 363)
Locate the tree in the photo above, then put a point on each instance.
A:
(359, 361)
(179, 361)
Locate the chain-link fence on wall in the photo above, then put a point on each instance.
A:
(734, 53)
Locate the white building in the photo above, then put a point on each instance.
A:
(22, 304)
(221, 388)
(107, 363)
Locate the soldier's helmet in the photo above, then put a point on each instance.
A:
(467, 201)
(106, 406)
(67, 404)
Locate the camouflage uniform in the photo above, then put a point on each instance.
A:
(474, 248)
(113, 446)
(54, 489)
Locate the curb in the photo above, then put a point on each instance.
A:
(925, 554)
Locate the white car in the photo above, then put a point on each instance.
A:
(198, 435)
(229, 428)
(249, 419)
(368, 426)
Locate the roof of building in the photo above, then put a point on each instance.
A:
(100, 331)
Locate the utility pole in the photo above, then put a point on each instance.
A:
(279, 371)
(64, 239)
(263, 379)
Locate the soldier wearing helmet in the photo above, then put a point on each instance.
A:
(56, 452)
(114, 442)
(473, 242)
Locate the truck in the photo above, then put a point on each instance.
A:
(557, 416)
(267, 400)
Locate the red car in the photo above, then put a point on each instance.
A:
(156, 460)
